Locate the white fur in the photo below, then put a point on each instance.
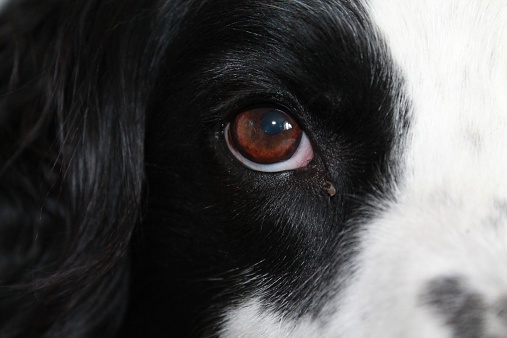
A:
(450, 218)
(250, 320)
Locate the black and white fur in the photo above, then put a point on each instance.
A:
(123, 212)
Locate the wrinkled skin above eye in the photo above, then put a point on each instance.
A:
(268, 139)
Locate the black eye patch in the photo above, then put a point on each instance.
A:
(326, 78)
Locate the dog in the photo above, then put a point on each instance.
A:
(253, 168)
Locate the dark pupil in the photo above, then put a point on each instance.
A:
(273, 122)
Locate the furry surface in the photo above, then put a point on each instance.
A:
(124, 212)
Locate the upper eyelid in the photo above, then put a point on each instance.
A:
(226, 109)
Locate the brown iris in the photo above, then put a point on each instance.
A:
(265, 135)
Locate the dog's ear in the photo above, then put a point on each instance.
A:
(71, 162)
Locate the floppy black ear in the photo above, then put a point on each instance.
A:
(72, 101)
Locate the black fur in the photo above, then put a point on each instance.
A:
(111, 118)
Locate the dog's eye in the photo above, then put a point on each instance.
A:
(266, 138)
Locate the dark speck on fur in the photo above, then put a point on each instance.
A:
(459, 307)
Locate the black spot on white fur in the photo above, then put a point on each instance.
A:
(462, 309)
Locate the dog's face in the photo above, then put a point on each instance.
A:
(315, 168)
(345, 162)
